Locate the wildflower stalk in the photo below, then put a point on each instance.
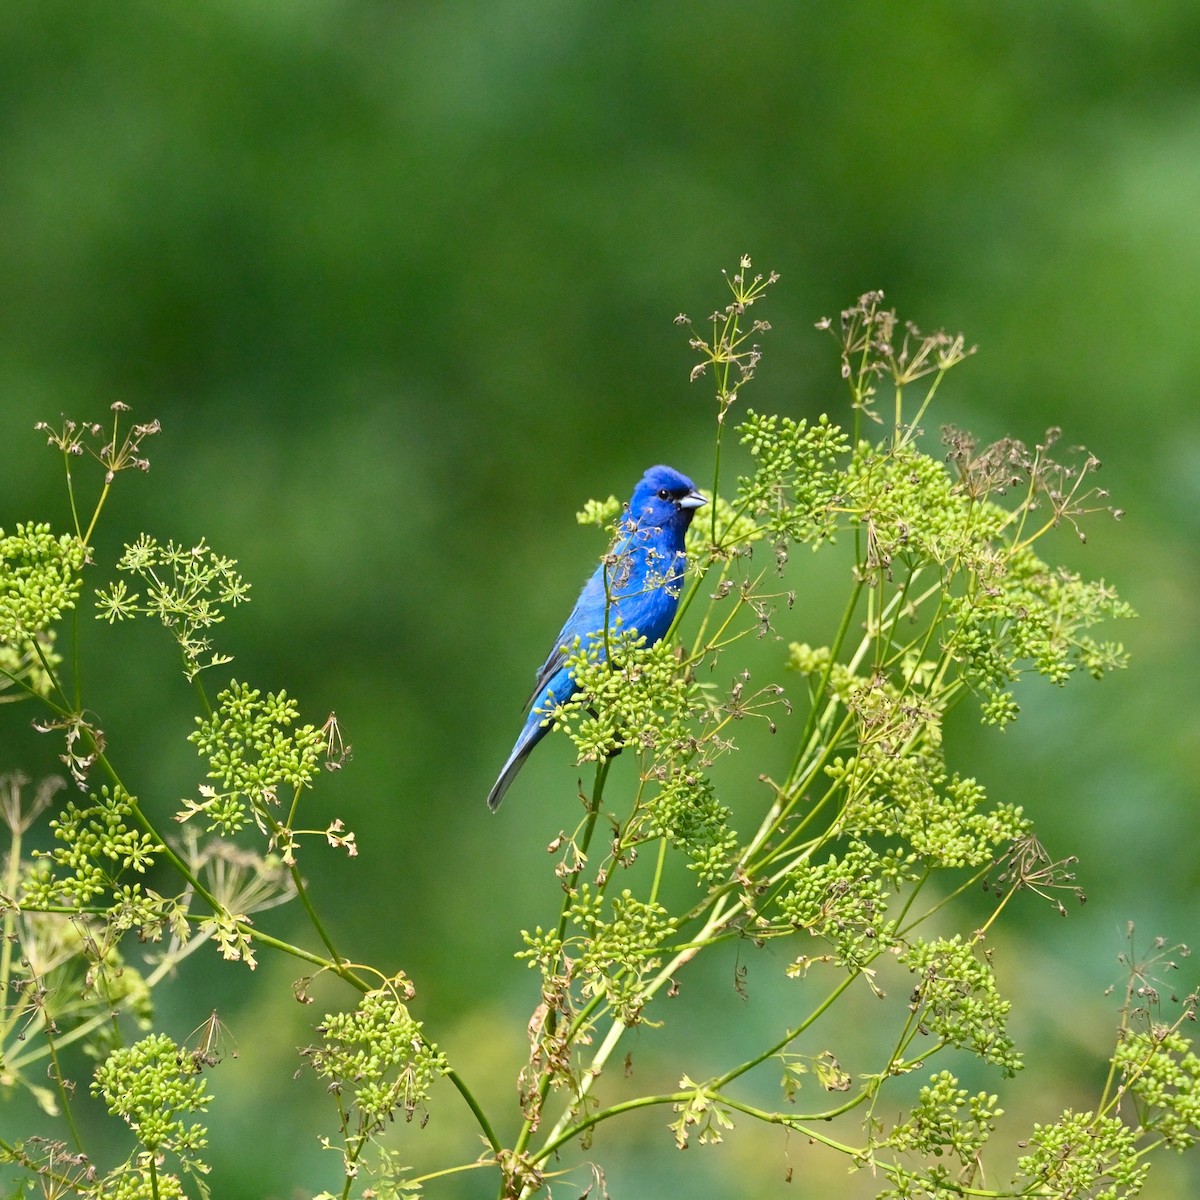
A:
(875, 704)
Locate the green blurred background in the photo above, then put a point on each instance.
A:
(398, 279)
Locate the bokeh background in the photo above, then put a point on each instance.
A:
(399, 280)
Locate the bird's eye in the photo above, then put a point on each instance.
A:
(663, 494)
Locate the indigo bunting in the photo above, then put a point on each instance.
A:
(636, 586)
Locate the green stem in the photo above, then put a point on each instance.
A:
(484, 1124)
(724, 365)
(606, 1114)
(790, 1120)
(455, 1170)
(569, 892)
(203, 696)
(911, 430)
(340, 965)
(583, 845)
(60, 1082)
(716, 477)
(52, 675)
(161, 846)
(811, 724)
(71, 497)
(791, 1035)
(967, 885)
(12, 876)
(684, 603)
(16, 1153)
(659, 864)
(87, 537)
(274, 943)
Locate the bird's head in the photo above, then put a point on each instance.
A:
(664, 499)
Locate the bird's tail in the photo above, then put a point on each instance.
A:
(530, 736)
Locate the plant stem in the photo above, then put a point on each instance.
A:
(484, 1124)
(569, 892)
(60, 1081)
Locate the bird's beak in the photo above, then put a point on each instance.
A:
(692, 500)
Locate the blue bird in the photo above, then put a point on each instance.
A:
(644, 573)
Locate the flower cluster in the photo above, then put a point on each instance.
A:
(377, 1062)
(102, 856)
(611, 949)
(187, 589)
(155, 1087)
(253, 746)
(956, 999)
(39, 581)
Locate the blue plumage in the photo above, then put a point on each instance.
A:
(644, 573)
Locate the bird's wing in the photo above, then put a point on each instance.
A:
(547, 671)
(645, 596)
(586, 617)
(649, 598)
